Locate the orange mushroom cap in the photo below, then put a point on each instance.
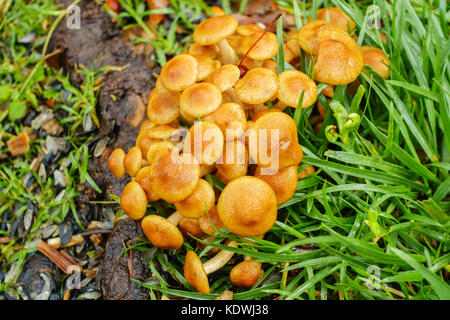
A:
(198, 202)
(115, 163)
(205, 141)
(283, 183)
(133, 161)
(246, 273)
(291, 85)
(247, 206)
(257, 86)
(174, 177)
(179, 72)
(265, 48)
(200, 99)
(376, 59)
(143, 177)
(133, 200)
(336, 17)
(225, 76)
(234, 161)
(195, 273)
(214, 29)
(231, 119)
(340, 60)
(161, 232)
(163, 108)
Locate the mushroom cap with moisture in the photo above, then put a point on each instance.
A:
(163, 107)
(205, 141)
(198, 202)
(280, 148)
(195, 273)
(200, 99)
(161, 232)
(115, 163)
(133, 161)
(214, 30)
(133, 200)
(143, 177)
(257, 86)
(336, 17)
(283, 183)
(246, 273)
(179, 72)
(231, 119)
(247, 206)
(174, 177)
(339, 61)
(225, 76)
(292, 84)
(265, 48)
(233, 162)
(376, 59)
(308, 35)
(190, 226)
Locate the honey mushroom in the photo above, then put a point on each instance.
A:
(266, 47)
(246, 273)
(115, 163)
(231, 119)
(282, 152)
(257, 86)
(259, 201)
(179, 72)
(133, 200)
(143, 177)
(215, 30)
(233, 162)
(163, 107)
(225, 77)
(292, 83)
(309, 170)
(163, 233)
(190, 226)
(210, 222)
(376, 59)
(200, 99)
(133, 161)
(339, 60)
(205, 141)
(283, 183)
(207, 51)
(196, 272)
(173, 177)
(206, 66)
(336, 17)
(198, 202)
(308, 35)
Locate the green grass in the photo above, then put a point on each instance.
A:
(375, 211)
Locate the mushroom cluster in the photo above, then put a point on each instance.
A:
(217, 110)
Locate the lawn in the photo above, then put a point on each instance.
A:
(372, 221)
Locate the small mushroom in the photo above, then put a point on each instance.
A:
(133, 161)
(309, 170)
(231, 119)
(246, 273)
(215, 30)
(173, 176)
(339, 60)
(207, 51)
(196, 272)
(257, 86)
(198, 202)
(115, 163)
(273, 142)
(143, 177)
(376, 59)
(200, 99)
(179, 73)
(233, 162)
(190, 226)
(266, 47)
(156, 147)
(133, 200)
(163, 107)
(206, 66)
(247, 206)
(249, 29)
(308, 35)
(292, 84)
(336, 17)
(283, 183)
(205, 140)
(163, 233)
(225, 77)
(210, 222)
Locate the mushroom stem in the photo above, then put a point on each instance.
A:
(219, 260)
(175, 217)
(232, 95)
(228, 56)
